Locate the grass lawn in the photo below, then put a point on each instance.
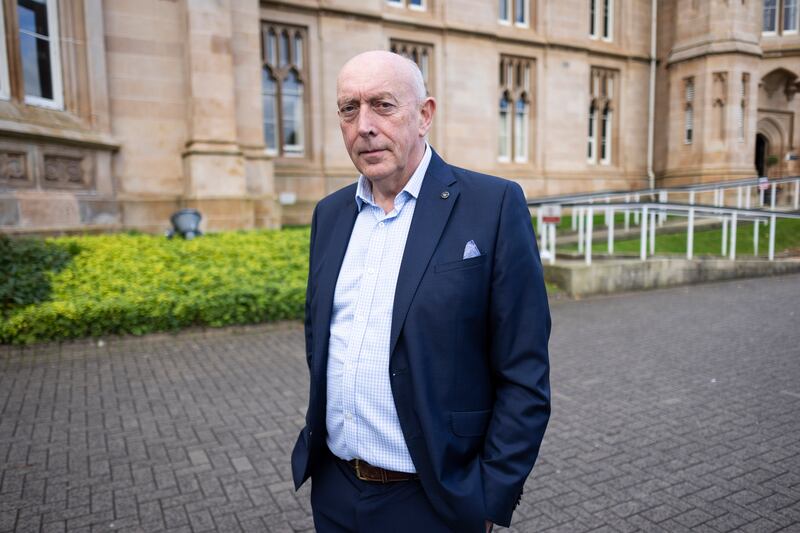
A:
(709, 242)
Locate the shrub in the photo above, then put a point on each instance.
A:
(117, 284)
(24, 264)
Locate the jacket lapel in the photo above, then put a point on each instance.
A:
(430, 217)
(329, 273)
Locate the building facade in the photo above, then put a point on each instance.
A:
(115, 113)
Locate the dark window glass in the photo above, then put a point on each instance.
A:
(35, 48)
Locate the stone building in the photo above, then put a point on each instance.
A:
(115, 113)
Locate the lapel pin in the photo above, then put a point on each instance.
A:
(445, 195)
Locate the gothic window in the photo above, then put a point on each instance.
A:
(34, 48)
(283, 89)
(514, 121)
(600, 134)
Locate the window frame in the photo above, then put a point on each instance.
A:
(608, 9)
(776, 15)
(300, 67)
(526, 13)
(784, 19)
(504, 21)
(602, 104)
(515, 84)
(53, 39)
(5, 80)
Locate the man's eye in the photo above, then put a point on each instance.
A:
(383, 106)
(347, 110)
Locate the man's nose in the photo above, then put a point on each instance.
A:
(366, 124)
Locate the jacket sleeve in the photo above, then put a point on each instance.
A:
(519, 323)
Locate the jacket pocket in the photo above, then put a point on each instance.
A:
(460, 264)
(470, 423)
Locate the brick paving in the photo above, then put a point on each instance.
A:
(673, 410)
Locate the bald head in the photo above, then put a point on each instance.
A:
(383, 63)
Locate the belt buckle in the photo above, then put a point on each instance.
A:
(358, 470)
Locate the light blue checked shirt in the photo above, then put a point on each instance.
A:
(361, 417)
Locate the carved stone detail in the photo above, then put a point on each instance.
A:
(63, 170)
(13, 167)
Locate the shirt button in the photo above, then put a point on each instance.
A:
(371, 270)
(348, 416)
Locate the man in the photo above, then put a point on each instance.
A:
(426, 327)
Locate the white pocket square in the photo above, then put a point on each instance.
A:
(471, 250)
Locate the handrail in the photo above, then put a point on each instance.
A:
(728, 215)
(565, 199)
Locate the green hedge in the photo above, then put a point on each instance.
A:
(116, 284)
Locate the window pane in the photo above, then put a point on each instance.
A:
(790, 15)
(298, 50)
(503, 10)
(607, 19)
(521, 131)
(590, 136)
(606, 142)
(33, 16)
(35, 48)
(503, 146)
(272, 48)
(770, 12)
(417, 3)
(519, 11)
(292, 116)
(36, 66)
(268, 92)
(592, 17)
(284, 53)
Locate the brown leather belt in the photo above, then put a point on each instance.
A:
(366, 472)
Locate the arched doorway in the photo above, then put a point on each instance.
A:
(762, 149)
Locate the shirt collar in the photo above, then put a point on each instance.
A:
(413, 186)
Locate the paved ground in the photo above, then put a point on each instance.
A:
(674, 410)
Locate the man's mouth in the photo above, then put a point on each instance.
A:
(372, 151)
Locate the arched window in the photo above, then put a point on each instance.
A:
(292, 100)
(601, 116)
(284, 53)
(521, 130)
(591, 149)
(605, 135)
(269, 95)
(504, 134)
(283, 80)
(514, 137)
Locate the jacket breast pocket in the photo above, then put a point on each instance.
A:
(470, 423)
(461, 264)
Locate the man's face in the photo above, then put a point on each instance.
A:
(382, 122)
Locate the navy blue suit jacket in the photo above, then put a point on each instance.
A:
(469, 361)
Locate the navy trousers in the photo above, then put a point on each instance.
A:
(342, 503)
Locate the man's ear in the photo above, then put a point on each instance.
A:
(426, 113)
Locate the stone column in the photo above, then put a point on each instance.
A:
(247, 65)
(214, 165)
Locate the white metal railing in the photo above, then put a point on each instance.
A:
(649, 211)
(649, 214)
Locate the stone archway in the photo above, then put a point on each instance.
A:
(762, 149)
(770, 138)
